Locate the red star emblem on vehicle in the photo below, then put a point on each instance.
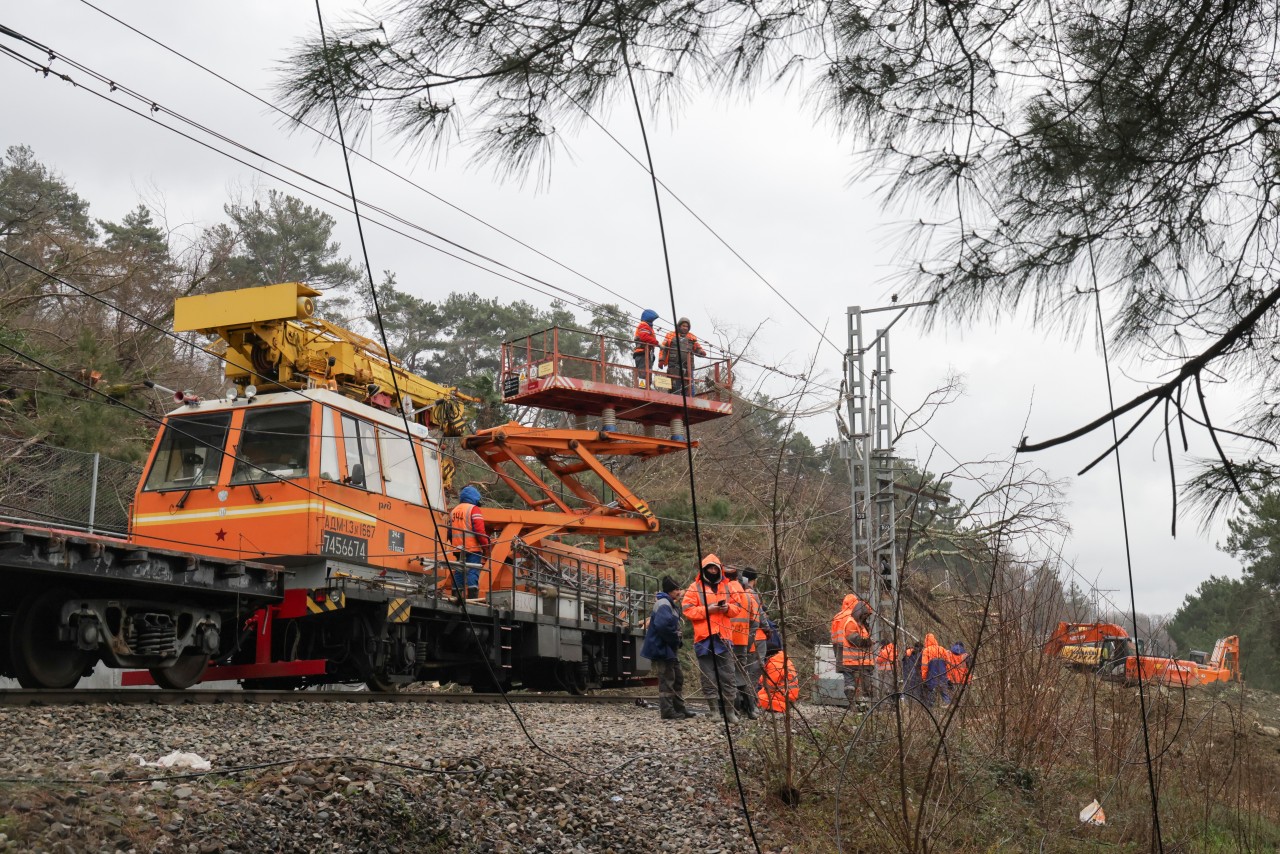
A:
(220, 534)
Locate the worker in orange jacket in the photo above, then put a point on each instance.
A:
(758, 643)
(645, 343)
(837, 630)
(710, 605)
(933, 670)
(859, 659)
(957, 667)
(744, 700)
(779, 686)
(678, 350)
(885, 678)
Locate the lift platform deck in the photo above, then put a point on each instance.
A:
(582, 373)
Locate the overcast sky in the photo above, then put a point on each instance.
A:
(777, 185)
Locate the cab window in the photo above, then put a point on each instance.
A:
(274, 445)
(399, 467)
(360, 443)
(190, 452)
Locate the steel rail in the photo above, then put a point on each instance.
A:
(146, 697)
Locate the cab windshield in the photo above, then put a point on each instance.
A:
(190, 452)
(274, 444)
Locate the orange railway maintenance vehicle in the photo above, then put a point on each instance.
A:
(306, 513)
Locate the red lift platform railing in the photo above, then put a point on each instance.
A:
(594, 375)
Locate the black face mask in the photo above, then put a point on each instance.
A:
(711, 576)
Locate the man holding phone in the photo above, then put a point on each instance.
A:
(711, 608)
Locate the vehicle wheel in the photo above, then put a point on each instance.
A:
(39, 659)
(379, 682)
(183, 673)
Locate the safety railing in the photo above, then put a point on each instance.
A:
(576, 354)
(566, 588)
(62, 488)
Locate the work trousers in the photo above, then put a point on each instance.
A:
(741, 676)
(885, 684)
(755, 666)
(719, 664)
(861, 681)
(644, 361)
(470, 577)
(670, 687)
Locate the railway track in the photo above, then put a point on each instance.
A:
(137, 697)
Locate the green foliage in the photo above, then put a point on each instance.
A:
(1248, 607)
(282, 239)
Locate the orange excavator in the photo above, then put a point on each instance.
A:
(1089, 646)
(1107, 650)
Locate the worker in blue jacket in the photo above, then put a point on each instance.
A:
(662, 640)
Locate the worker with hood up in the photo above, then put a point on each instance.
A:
(859, 658)
(933, 670)
(645, 342)
(710, 608)
(837, 630)
(678, 350)
(779, 686)
(470, 541)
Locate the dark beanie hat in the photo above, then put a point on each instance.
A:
(750, 574)
(669, 585)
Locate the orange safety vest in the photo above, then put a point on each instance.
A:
(778, 683)
(687, 348)
(761, 634)
(884, 658)
(856, 656)
(694, 606)
(462, 533)
(644, 337)
(957, 666)
(931, 652)
(837, 622)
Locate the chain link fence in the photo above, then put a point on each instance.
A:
(43, 485)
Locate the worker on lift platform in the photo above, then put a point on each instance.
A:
(469, 538)
(678, 350)
(645, 342)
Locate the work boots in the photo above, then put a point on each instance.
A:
(473, 592)
(722, 711)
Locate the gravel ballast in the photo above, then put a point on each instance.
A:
(620, 780)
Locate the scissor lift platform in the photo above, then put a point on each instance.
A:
(574, 371)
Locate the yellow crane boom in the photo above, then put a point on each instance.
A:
(273, 342)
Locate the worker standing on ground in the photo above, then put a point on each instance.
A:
(470, 542)
(759, 636)
(912, 680)
(646, 342)
(837, 630)
(933, 670)
(678, 350)
(884, 667)
(779, 686)
(662, 642)
(859, 660)
(744, 700)
(710, 608)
